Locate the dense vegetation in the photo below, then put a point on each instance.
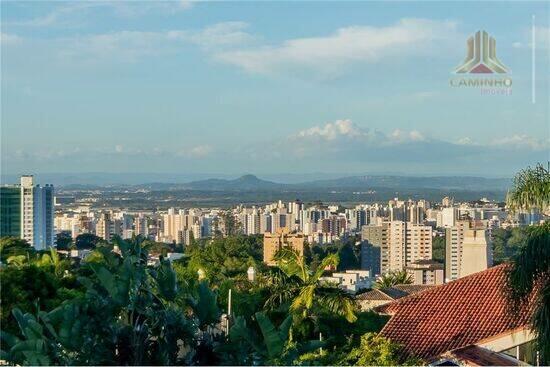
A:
(529, 275)
(114, 308)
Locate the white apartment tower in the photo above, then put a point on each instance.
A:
(400, 243)
(467, 250)
(37, 213)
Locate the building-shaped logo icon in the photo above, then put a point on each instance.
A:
(481, 56)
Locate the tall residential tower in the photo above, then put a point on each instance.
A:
(37, 213)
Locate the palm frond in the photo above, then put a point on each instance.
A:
(531, 189)
(530, 273)
(331, 260)
(338, 301)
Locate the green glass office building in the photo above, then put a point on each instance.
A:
(10, 211)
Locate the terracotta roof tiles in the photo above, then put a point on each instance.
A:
(451, 315)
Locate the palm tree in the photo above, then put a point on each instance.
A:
(392, 278)
(531, 189)
(530, 269)
(295, 282)
(53, 259)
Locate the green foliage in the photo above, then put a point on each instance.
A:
(531, 189)
(30, 288)
(507, 243)
(336, 330)
(304, 291)
(126, 316)
(87, 241)
(392, 278)
(438, 249)
(157, 248)
(12, 246)
(530, 272)
(205, 305)
(228, 257)
(63, 240)
(347, 252)
(247, 297)
(113, 309)
(375, 350)
(231, 227)
(271, 346)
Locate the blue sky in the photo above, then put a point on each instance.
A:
(268, 87)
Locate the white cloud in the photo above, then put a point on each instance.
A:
(343, 140)
(465, 141)
(346, 46)
(346, 131)
(401, 136)
(232, 43)
(199, 151)
(331, 131)
(216, 36)
(522, 141)
(126, 46)
(9, 39)
(131, 46)
(131, 9)
(74, 13)
(513, 142)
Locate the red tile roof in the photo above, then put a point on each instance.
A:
(374, 295)
(392, 293)
(452, 315)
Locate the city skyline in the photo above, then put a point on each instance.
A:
(222, 88)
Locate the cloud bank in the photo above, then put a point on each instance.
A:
(341, 145)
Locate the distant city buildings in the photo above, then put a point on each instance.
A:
(397, 235)
(273, 242)
(350, 280)
(426, 272)
(400, 243)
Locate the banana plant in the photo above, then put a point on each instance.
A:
(127, 316)
(33, 348)
(275, 344)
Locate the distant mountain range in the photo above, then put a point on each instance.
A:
(246, 182)
(252, 183)
(353, 183)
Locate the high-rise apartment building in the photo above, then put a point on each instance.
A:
(335, 225)
(467, 249)
(400, 243)
(140, 225)
(454, 237)
(104, 226)
(370, 258)
(37, 213)
(10, 211)
(273, 242)
(447, 217)
(477, 252)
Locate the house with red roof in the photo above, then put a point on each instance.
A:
(378, 297)
(465, 322)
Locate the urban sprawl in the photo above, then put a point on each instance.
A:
(394, 236)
